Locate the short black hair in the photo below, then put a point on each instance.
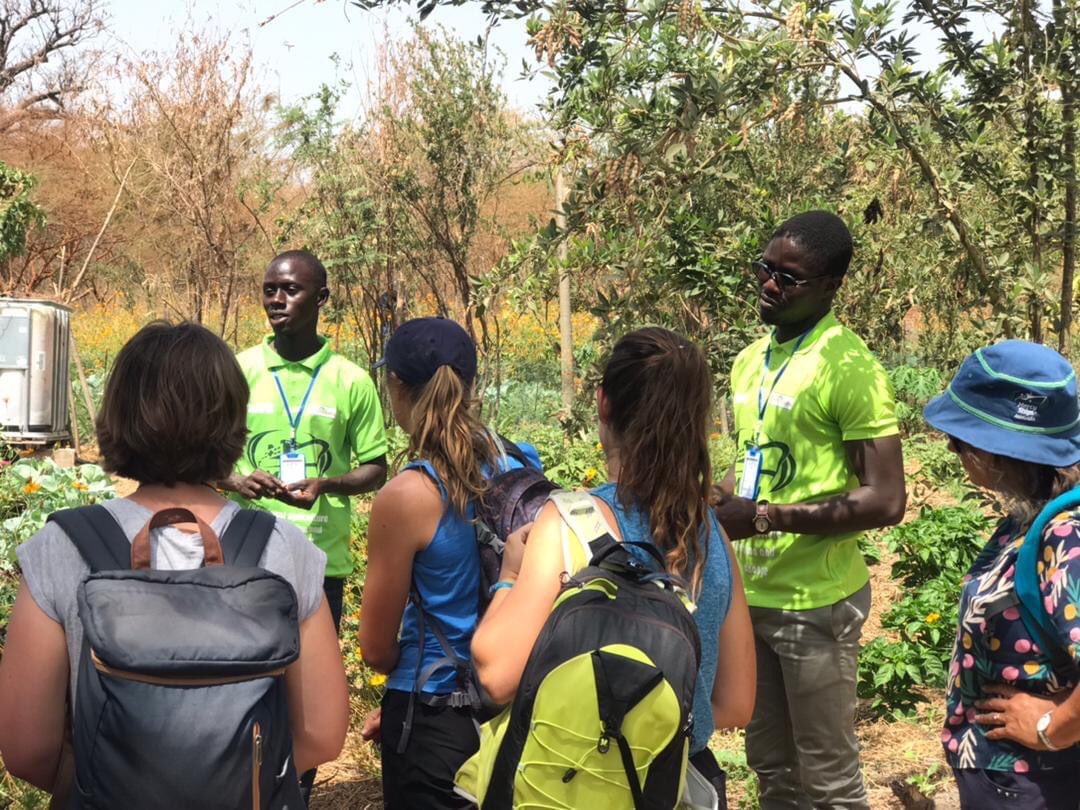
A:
(824, 236)
(307, 258)
(175, 407)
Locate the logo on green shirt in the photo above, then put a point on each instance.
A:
(264, 449)
(784, 467)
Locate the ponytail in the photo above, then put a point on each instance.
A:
(659, 394)
(447, 433)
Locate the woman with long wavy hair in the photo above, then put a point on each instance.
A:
(654, 408)
(423, 571)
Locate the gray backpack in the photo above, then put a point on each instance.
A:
(181, 701)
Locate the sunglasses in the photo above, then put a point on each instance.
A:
(783, 280)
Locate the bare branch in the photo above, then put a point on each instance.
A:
(33, 35)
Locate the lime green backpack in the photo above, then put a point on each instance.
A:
(602, 717)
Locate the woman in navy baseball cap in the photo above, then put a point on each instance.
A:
(1013, 711)
(423, 573)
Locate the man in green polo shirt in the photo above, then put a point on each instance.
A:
(315, 427)
(819, 462)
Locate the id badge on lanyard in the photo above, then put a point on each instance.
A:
(293, 467)
(292, 463)
(750, 481)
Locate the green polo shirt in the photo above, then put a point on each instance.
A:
(833, 391)
(340, 428)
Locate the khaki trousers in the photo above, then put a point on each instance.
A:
(801, 741)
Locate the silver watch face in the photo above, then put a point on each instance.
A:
(1044, 723)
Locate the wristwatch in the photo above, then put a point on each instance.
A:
(762, 521)
(1040, 731)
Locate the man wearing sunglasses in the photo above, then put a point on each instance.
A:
(819, 463)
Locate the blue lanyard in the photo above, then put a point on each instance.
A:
(294, 423)
(762, 400)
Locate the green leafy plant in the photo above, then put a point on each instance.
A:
(31, 489)
(722, 452)
(938, 466)
(742, 781)
(18, 214)
(934, 552)
(929, 780)
(941, 542)
(895, 672)
(569, 462)
(913, 386)
(891, 677)
(364, 682)
(520, 402)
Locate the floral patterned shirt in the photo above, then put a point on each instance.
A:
(993, 645)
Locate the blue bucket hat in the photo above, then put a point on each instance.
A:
(1014, 399)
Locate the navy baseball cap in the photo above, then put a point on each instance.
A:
(1014, 399)
(418, 348)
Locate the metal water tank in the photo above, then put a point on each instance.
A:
(34, 343)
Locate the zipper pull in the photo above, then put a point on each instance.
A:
(567, 581)
(258, 749)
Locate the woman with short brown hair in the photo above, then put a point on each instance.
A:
(173, 419)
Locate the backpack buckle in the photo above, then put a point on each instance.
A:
(459, 700)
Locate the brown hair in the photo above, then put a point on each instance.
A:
(1041, 483)
(1030, 485)
(659, 392)
(175, 407)
(447, 433)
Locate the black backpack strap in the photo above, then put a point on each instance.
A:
(617, 692)
(407, 723)
(467, 696)
(246, 537)
(98, 537)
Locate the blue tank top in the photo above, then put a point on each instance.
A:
(712, 603)
(447, 576)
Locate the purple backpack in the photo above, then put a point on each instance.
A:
(514, 498)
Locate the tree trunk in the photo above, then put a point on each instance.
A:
(1066, 68)
(566, 337)
(1034, 223)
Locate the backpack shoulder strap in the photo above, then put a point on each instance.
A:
(467, 694)
(246, 537)
(96, 534)
(1036, 620)
(582, 526)
(511, 449)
